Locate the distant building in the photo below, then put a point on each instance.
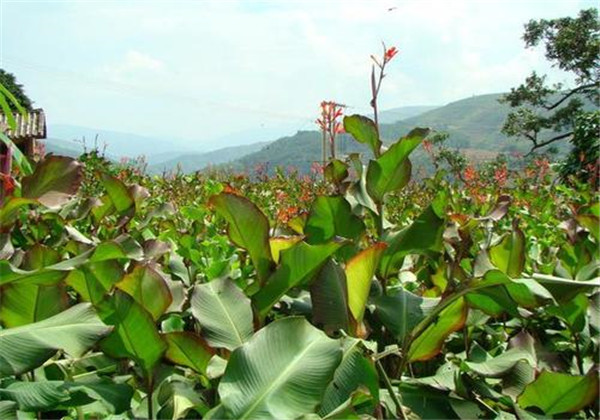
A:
(30, 128)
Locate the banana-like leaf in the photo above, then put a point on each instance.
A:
(135, 334)
(429, 343)
(188, 349)
(298, 265)
(329, 298)
(224, 313)
(509, 254)
(330, 217)
(354, 371)
(281, 372)
(148, 288)
(248, 228)
(281, 243)
(359, 274)
(54, 181)
(400, 311)
(391, 171)
(424, 235)
(74, 331)
(120, 196)
(556, 393)
(364, 130)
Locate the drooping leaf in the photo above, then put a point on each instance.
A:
(115, 397)
(8, 410)
(329, 297)
(36, 396)
(364, 131)
(330, 217)
(224, 313)
(400, 311)
(119, 194)
(424, 235)
(54, 181)
(336, 171)
(354, 371)
(280, 243)
(134, 335)
(359, 274)
(148, 288)
(509, 254)
(297, 266)
(429, 343)
(74, 331)
(188, 349)
(281, 372)
(248, 228)
(556, 393)
(500, 365)
(391, 171)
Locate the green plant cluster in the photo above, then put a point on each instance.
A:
(362, 295)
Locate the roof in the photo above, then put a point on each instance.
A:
(30, 125)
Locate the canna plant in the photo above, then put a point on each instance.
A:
(183, 298)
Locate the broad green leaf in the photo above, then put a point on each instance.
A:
(572, 312)
(134, 334)
(297, 266)
(391, 171)
(429, 343)
(148, 288)
(336, 171)
(74, 331)
(8, 410)
(364, 130)
(22, 303)
(556, 393)
(54, 181)
(424, 235)
(329, 298)
(36, 396)
(115, 397)
(500, 365)
(248, 228)
(224, 313)
(563, 289)
(10, 210)
(359, 274)
(281, 243)
(429, 403)
(354, 371)
(330, 217)
(93, 280)
(188, 349)
(119, 194)
(400, 311)
(509, 254)
(281, 372)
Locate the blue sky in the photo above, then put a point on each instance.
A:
(201, 70)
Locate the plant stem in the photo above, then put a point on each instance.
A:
(390, 388)
(150, 393)
(578, 353)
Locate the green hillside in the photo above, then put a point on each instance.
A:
(191, 162)
(473, 124)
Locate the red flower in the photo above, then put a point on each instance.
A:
(8, 184)
(389, 54)
(470, 174)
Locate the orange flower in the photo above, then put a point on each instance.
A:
(8, 184)
(470, 174)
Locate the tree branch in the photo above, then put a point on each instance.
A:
(537, 145)
(568, 95)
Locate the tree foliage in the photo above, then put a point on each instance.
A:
(9, 81)
(545, 114)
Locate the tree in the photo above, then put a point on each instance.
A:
(9, 81)
(547, 114)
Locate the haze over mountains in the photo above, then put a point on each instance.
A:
(473, 124)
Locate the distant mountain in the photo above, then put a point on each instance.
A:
(191, 162)
(473, 124)
(393, 115)
(119, 144)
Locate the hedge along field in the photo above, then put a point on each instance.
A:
(355, 294)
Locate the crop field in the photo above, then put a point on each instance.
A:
(349, 294)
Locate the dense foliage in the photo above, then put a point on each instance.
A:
(545, 114)
(365, 294)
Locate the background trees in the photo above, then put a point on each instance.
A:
(548, 114)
